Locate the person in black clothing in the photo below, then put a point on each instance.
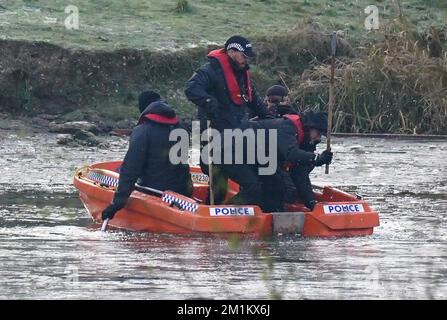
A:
(147, 159)
(279, 184)
(278, 104)
(314, 125)
(223, 91)
(297, 136)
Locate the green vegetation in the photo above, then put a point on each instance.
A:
(161, 24)
(393, 87)
(122, 48)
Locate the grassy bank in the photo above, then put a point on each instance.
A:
(161, 24)
(42, 77)
(123, 48)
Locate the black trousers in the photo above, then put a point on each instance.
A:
(273, 192)
(303, 185)
(266, 191)
(250, 189)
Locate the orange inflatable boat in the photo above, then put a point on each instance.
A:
(336, 214)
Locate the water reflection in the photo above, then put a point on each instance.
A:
(49, 247)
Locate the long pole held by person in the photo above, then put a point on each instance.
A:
(210, 164)
(331, 94)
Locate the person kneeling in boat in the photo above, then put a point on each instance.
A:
(147, 159)
(297, 137)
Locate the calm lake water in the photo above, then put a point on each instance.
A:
(50, 249)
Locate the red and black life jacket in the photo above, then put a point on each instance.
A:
(230, 78)
(161, 119)
(299, 127)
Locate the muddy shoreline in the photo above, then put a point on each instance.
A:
(43, 125)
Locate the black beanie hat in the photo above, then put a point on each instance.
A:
(317, 120)
(146, 98)
(277, 90)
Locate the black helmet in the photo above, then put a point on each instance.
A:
(316, 120)
(241, 44)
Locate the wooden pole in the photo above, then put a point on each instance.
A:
(210, 165)
(331, 94)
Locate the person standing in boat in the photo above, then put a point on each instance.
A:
(298, 135)
(224, 93)
(147, 159)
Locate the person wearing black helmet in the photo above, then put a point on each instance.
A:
(297, 137)
(224, 93)
(147, 159)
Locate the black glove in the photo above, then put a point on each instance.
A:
(110, 211)
(324, 158)
(310, 204)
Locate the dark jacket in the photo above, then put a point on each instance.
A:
(147, 159)
(280, 110)
(208, 90)
(289, 149)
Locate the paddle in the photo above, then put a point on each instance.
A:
(158, 192)
(331, 94)
(210, 166)
(104, 225)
